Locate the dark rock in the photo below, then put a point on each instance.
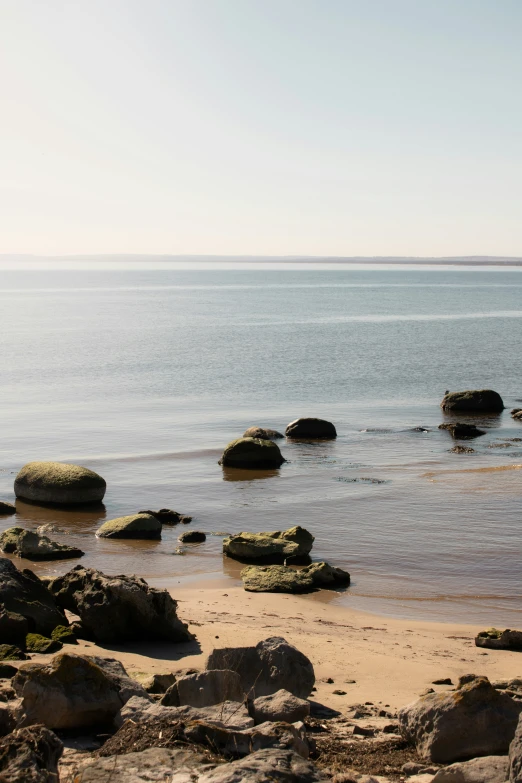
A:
(364, 731)
(117, 609)
(6, 508)
(252, 453)
(115, 670)
(268, 667)
(515, 756)
(10, 652)
(30, 755)
(13, 628)
(442, 681)
(460, 431)
(473, 401)
(311, 429)
(57, 482)
(462, 450)
(7, 672)
(499, 640)
(137, 526)
(159, 683)
(168, 517)
(192, 537)
(292, 545)
(32, 546)
(64, 634)
(36, 643)
(23, 593)
(263, 433)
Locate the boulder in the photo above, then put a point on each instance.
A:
(283, 579)
(474, 720)
(263, 433)
(280, 706)
(311, 429)
(23, 593)
(229, 714)
(57, 482)
(517, 414)
(205, 689)
(515, 756)
(230, 742)
(7, 672)
(13, 627)
(473, 401)
(115, 670)
(168, 517)
(71, 692)
(266, 668)
(488, 769)
(32, 546)
(118, 609)
(324, 575)
(275, 765)
(10, 652)
(154, 765)
(159, 683)
(64, 634)
(254, 453)
(6, 508)
(30, 755)
(499, 640)
(140, 526)
(36, 643)
(460, 431)
(192, 537)
(292, 545)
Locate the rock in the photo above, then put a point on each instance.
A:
(515, 756)
(462, 450)
(154, 765)
(23, 593)
(64, 635)
(229, 714)
(70, 692)
(311, 429)
(10, 652)
(282, 579)
(442, 681)
(268, 667)
(460, 431)
(57, 482)
(230, 742)
(499, 640)
(280, 706)
(13, 627)
(117, 609)
(192, 537)
(205, 689)
(488, 769)
(159, 683)
(31, 546)
(7, 672)
(36, 643)
(7, 722)
(292, 545)
(474, 720)
(168, 517)
(49, 527)
(473, 401)
(140, 526)
(517, 413)
(262, 433)
(115, 670)
(30, 755)
(6, 508)
(275, 765)
(252, 453)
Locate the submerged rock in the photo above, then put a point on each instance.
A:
(473, 401)
(252, 453)
(266, 668)
(23, 593)
(474, 720)
(292, 545)
(57, 482)
(283, 579)
(32, 546)
(168, 517)
(30, 755)
(138, 526)
(461, 431)
(117, 609)
(499, 640)
(192, 537)
(311, 429)
(6, 508)
(263, 433)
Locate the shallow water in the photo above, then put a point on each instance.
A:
(144, 374)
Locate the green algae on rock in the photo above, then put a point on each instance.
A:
(275, 546)
(262, 432)
(473, 401)
(252, 453)
(282, 579)
(64, 634)
(36, 643)
(10, 652)
(139, 526)
(59, 483)
(32, 546)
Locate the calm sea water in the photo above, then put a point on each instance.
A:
(144, 373)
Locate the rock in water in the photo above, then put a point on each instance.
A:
(461, 431)
(266, 668)
(71, 692)
(517, 414)
(205, 689)
(168, 517)
(23, 593)
(57, 482)
(30, 755)
(488, 769)
(139, 526)
(6, 508)
(192, 537)
(117, 609)
(313, 429)
(283, 579)
(31, 546)
(252, 453)
(292, 545)
(473, 401)
(280, 706)
(474, 720)
(499, 640)
(263, 433)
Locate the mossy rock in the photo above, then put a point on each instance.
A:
(473, 401)
(64, 634)
(252, 453)
(36, 643)
(32, 546)
(282, 579)
(59, 483)
(262, 432)
(138, 526)
(8, 652)
(277, 546)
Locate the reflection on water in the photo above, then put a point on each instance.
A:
(239, 474)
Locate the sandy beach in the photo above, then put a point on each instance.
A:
(371, 658)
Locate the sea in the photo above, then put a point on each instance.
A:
(145, 370)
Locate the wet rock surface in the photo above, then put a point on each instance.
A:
(311, 428)
(473, 401)
(292, 545)
(59, 483)
(254, 453)
(137, 526)
(33, 546)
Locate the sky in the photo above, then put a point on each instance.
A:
(263, 127)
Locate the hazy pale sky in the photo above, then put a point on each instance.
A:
(315, 127)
